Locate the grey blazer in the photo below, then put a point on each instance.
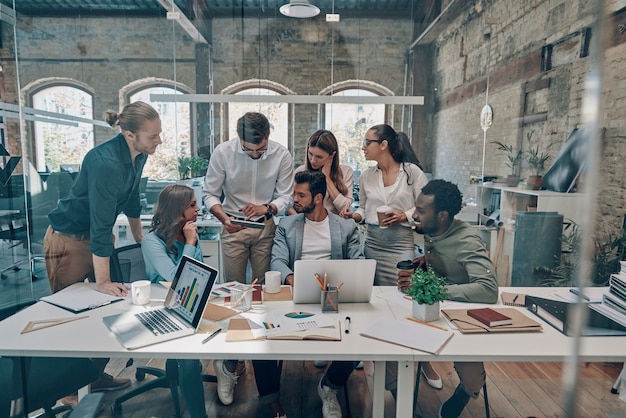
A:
(345, 237)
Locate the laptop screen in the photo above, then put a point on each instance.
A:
(190, 289)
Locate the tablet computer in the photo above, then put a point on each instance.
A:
(248, 224)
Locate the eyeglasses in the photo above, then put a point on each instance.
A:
(367, 142)
(253, 151)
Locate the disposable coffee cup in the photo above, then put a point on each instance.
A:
(272, 282)
(405, 266)
(382, 212)
(140, 292)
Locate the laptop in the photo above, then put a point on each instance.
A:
(179, 315)
(357, 277)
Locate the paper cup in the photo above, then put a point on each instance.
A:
(382, 212)
(140, 291)
(272, 282)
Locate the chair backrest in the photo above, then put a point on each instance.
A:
(127, 264)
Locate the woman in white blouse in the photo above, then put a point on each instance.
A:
(322, 154)
(393, 183)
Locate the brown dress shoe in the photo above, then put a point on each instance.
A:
(107, 382)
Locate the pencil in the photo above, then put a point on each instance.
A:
(426, 323)
(340, 286)
(319, 281)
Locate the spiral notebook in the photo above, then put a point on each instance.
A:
(513, 299)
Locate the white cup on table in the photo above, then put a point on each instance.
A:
(272, 281)
(140, 292)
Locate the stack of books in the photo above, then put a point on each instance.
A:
(615, 298)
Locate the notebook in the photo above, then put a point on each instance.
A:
(357, 277)
(408, 334)
(180, 314)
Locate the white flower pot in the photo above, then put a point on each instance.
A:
(426, 313)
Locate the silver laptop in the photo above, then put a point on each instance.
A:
(180, 314)
(357, 277)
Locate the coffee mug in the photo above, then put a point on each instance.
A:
(272, 281)
(140, 291)
(382, 212)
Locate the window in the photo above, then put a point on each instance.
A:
(176, 134)
(57, 144)
(349, 122)
(276, 113)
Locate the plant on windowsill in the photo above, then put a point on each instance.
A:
(191, 167)
(514, 162)
(427, 290)
(536, 159)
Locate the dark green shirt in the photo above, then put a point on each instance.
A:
(107, 185)
(460, 256)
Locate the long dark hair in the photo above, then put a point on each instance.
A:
(326, 141)
(166, 222)
(399, 146)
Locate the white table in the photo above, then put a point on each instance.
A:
(96, 341)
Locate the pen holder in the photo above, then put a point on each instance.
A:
(330, 299)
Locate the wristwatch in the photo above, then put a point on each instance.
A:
(270, 211)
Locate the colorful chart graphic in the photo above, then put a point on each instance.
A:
(298, 315)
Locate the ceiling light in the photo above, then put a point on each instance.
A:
(300, 9)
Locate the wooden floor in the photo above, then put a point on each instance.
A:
(514, 390)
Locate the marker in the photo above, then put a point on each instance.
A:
(347, 325)
(577, 293)
(207, 339)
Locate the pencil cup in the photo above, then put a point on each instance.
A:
(238, 302)
(330, 299)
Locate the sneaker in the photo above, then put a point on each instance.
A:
(453, 407)
(107, 382)
(359, 366)
(226, 382)
(330, 404)
(71, 400)
(320, 363)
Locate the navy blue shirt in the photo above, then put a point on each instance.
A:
(107, 185)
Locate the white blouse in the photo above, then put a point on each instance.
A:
(401, 196)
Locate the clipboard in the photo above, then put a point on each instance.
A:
(80, 299)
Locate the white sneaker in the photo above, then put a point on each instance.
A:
(226, 382)
(320, 363)
(330, 404)
(359, 366)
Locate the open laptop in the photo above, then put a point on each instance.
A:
(179, 315)
(357, 277)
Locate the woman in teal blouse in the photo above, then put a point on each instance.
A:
(173, 234)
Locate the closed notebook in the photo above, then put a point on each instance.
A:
(408, 334)
(490, 317)
(468, 325)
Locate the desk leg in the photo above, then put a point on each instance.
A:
(406, 383)
(378, 407)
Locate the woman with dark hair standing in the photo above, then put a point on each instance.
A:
(323, 155)
(394, 183)
(173, 234)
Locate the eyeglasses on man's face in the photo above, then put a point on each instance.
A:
(253, 150)
(367, 142)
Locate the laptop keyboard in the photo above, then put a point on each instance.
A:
(157, 322)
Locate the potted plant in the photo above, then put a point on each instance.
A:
(537, 159)
(427, 290)
(190, 167)
(514, 162)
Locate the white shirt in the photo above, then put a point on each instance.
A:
(316, 240)
(341, 201)
(242, 179)
(400, 196)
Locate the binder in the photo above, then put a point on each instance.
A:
(556, 313)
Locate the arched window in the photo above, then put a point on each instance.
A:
(349, 122)
(277, 113)
(57, 144)
(176, 135)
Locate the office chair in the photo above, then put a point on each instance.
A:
(417, 385)
(127, 265)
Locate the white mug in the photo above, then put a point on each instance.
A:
(272, 281)
(140, 291)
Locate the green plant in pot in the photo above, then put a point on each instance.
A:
(190, 167)
(536, 158)
(514, 162)
(427, 290)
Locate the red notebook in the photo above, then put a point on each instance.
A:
(490, 317)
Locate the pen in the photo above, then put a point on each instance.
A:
(577, 293)
(213, 334)
(426, 323)
(515, 298)
(348, 325)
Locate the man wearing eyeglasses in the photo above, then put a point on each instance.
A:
(256, 177)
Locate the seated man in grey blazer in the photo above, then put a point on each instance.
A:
(316, 234)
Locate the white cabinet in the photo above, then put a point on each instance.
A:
(510, 200)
